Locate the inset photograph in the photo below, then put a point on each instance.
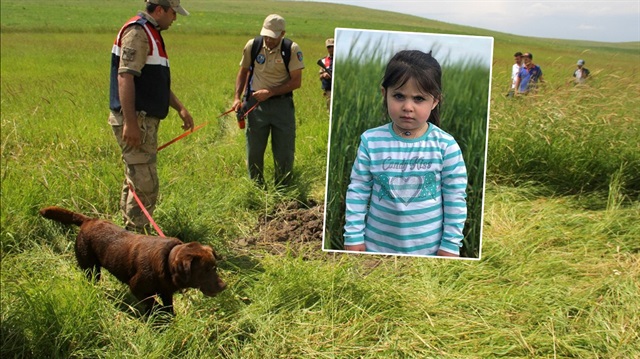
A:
(408, 143)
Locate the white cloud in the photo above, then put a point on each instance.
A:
(588, 27)
(617, 20)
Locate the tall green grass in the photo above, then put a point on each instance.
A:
(553, 282)
(358, 106)
(573, 138)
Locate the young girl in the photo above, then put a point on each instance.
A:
(407, 189)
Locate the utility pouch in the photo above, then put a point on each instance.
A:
(142, 115)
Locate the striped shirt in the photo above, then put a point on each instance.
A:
(407, 195)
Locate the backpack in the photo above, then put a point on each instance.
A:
(255, 49)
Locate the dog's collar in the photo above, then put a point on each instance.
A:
(172, 253)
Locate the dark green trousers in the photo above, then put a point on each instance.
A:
(275, 116)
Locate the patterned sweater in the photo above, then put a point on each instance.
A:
(407, 195)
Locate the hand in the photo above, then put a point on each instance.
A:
(131, 134)
(356, 248)
(187, 120)
(325, 76)
(442, 253)
(237, 105)
(262, 95)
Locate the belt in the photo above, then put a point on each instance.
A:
(290, 94)
(286, 95)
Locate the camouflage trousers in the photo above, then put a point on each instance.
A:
(327, 97)
(140, 171)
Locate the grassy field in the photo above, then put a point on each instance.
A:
(560, 270)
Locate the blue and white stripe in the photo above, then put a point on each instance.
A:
(407, 196)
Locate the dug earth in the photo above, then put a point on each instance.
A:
(292, 226)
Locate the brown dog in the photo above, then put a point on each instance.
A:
(150, 265)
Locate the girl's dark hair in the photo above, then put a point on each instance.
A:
(414, 64)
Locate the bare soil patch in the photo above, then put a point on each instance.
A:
(291, 227)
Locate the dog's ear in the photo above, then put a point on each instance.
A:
(213, 251)
(217, 256)
(184, 270)
(181, 268)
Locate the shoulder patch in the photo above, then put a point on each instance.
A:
(299, 54)
(128, 54)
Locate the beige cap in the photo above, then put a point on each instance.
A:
(175, 4)
(329, 42)
(273, 26)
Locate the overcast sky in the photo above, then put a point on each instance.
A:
(446, 48)
(608, 21)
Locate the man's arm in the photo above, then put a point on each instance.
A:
(135, 47)
(517, 88)
(241, 82)
(187, 120)
(127, 94)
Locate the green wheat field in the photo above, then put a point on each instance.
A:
(559, 268)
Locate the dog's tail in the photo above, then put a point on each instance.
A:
(63, 215)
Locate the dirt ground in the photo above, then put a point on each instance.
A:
(292, 227)
(296, 229)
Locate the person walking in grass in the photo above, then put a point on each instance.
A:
(407, 189)
(140, 96)
(325, 75)
(515, 69)
(529, 76)
(581, 73)
(270, 70)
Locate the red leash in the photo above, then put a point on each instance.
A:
(226, 113)
(242, 116)
(251, 109)
(183, 135)
(144, 210)
(187, 133)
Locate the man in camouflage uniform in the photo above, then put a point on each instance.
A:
(140, 96)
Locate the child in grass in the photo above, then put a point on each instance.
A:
(407, 190)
